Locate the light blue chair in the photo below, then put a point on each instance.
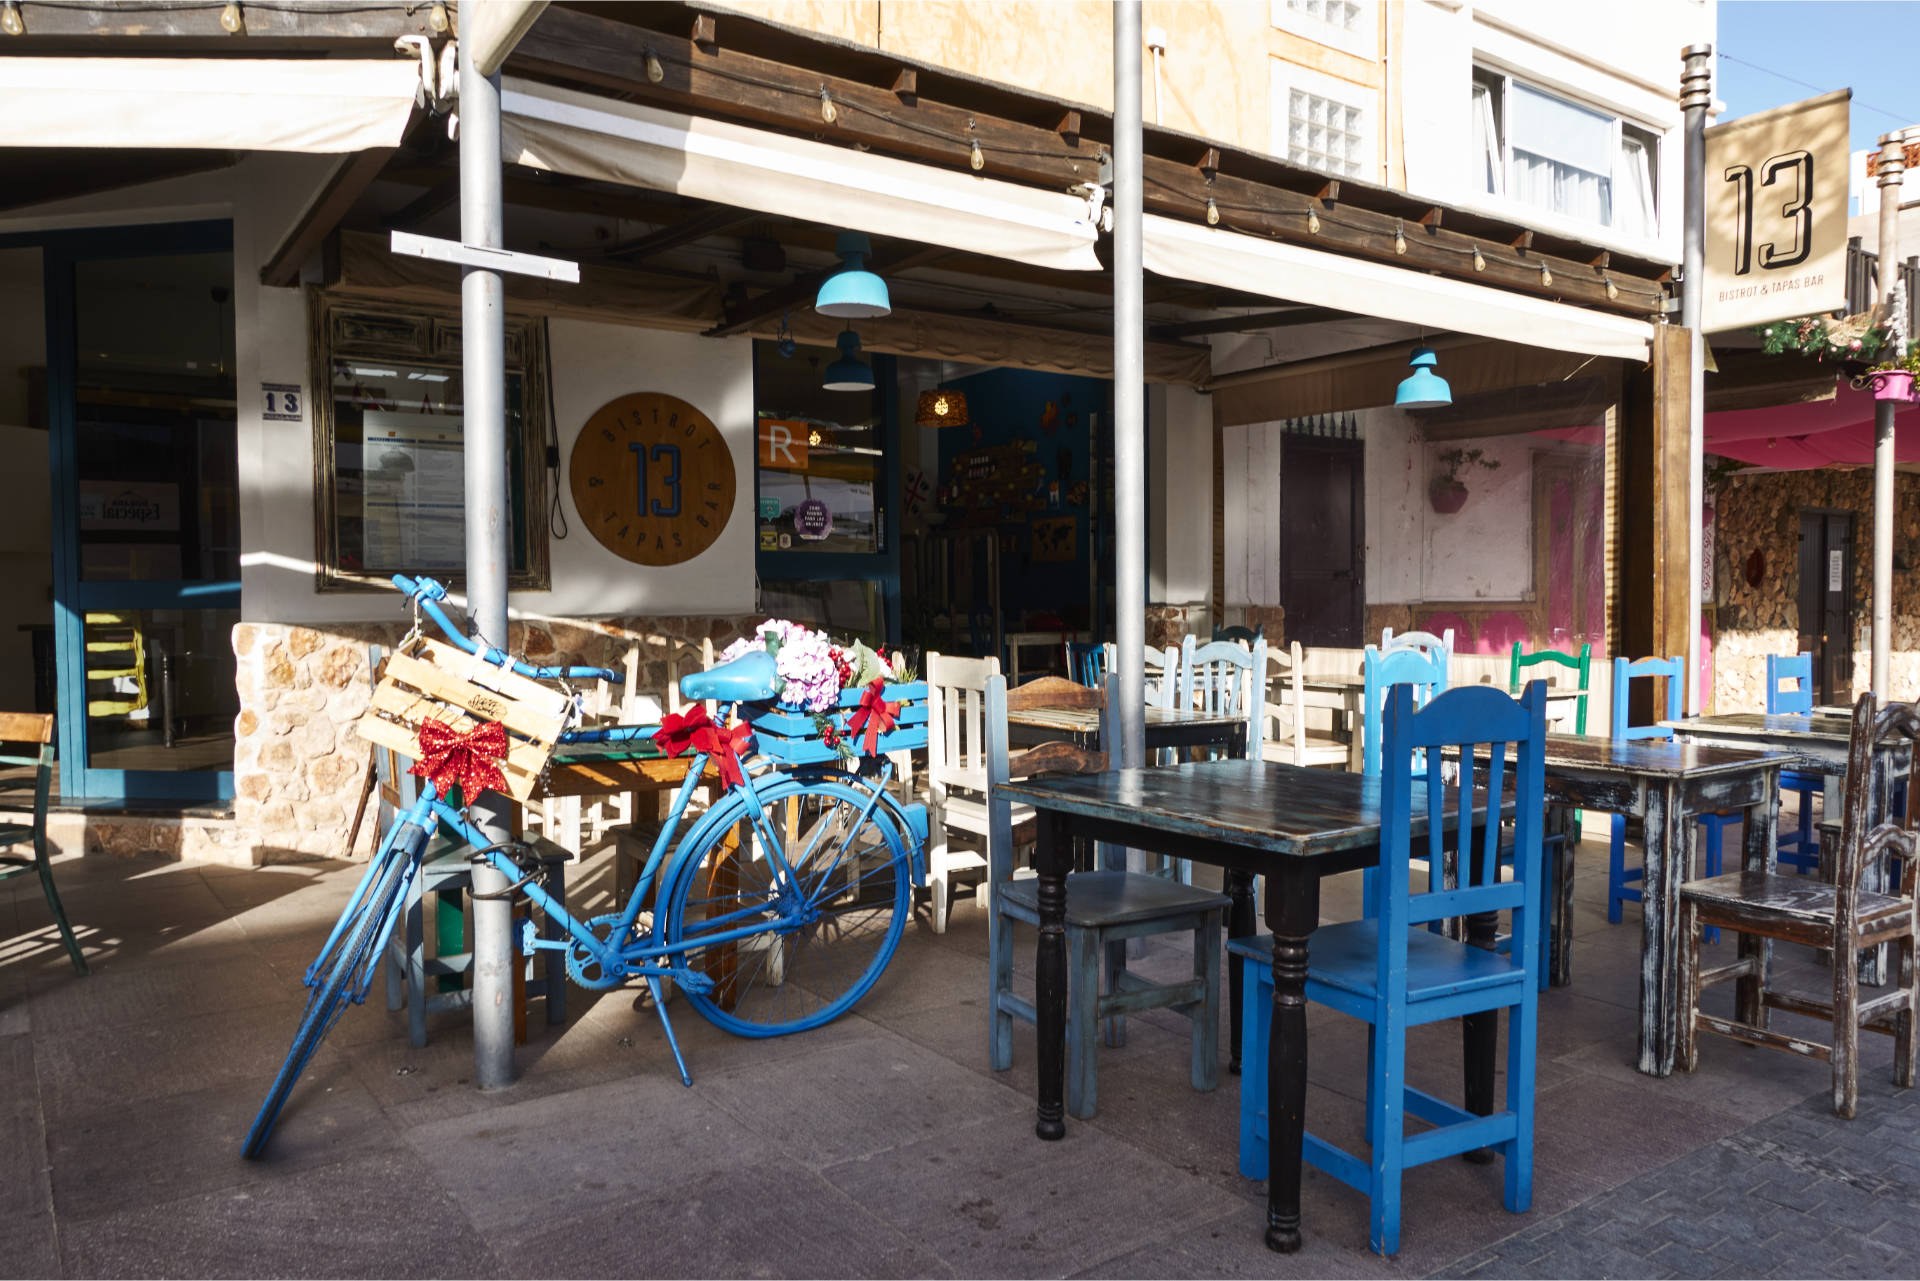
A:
(1087, 663)
(1619, 875)
(1394, 976)
(1225, 678)
(1800, 848)
(1381, 669)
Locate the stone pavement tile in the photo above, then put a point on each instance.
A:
(924, 976)
(382, 1215)
(1684, 1260)
(859, 1098)
(130, 1155)
(760, 1217)
(1611, 1132)
(608, 1146)
(28, 1247)
(992, 1200)
(1222, 1249)
(219, 977)
(24, 1187)
(958, 1032)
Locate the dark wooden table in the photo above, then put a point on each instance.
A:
(1165, 726)
(1667, 785)
(1290, 824)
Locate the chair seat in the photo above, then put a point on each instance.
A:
(1796, 780)
(1347, 957)
(1096, 900)
(1319, 749)
(970, 815)
(1767, 896)
(15, 833)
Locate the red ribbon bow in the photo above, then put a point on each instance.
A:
(694, 729)
(466, 758)
(874, 714)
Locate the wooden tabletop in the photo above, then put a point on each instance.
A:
(1754, 724)
(1664, 758)
(1282, 809)
(1086, 720)
(1340, 683)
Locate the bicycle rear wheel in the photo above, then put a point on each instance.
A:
(827, 923)
(339, 976)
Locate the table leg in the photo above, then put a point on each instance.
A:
(1293, 909)
(1760, 849)
(1240, 924)
(1668, 855)
(1563, 820)
(1480, 1033)
(1052, 853)
(1873, 876)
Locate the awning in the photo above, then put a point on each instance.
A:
(594, 137)
(223, 104)
(1234, 260)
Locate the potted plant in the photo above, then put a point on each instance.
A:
(1893, 379)
(1446, 491)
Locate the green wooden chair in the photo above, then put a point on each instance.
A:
(1581, 667)
(19, 730)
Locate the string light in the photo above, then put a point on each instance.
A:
(230, 19)
(1612, 290)
(1313, 223)
(1546, 277)
(976, 158)
(1399, 238)
(1213, 213)
(1479, 263)
(655, 72)
(10, 20)
(828, 112)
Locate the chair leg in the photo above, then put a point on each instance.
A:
(54, 905)
(999, 982)
(1523, 1031)
(556, 962)
(1903, 1040)
(1846, 1030)
(942, 886)
(1712, 829)
(1386, 1110)
(1206, 1015)
(1616, 868)
(1113, 1029)
(1253, 1078)
(1083, 1003)
(1687, 1053)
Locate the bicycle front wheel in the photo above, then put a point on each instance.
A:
(826, 913)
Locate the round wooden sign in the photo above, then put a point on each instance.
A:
(652, 478)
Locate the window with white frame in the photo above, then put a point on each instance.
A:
(1564, 158)
(1347, 25)
(1322, 122)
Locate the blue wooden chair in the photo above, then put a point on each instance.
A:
(1800, 848)
(1424, 670)
(1394, 976)
(26, 738)
(1086, 663)
(1619, 890)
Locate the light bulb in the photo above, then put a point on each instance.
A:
(1479, 263)
(1546, 277)
(230, 20)
(655, 72)
(814, 438)
(1213, 213)
(1612, 290)
(437, 17)
(1399, 240)
(828, 112)
(975, 158)
(10, 20)
(1313, 223)
(940, 406)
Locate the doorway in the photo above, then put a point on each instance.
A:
(1826, 602)
(1322, 539)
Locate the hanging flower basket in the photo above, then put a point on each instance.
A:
(835, 703)
(1892, 384)
(1447, 496)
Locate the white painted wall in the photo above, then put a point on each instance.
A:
(1180, 499)
(1250, 476)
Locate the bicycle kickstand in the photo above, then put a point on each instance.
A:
(666, 1025)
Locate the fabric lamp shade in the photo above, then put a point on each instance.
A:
(849, 373)
(941, 408)
(853, 292)
(1423, 389)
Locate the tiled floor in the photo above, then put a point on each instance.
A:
(879, 1146)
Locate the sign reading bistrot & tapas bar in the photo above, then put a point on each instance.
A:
(1777, 214)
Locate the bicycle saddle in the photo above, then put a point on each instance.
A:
(750, 678)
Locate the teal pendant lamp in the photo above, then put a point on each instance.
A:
(853, 292)
(1423, 389)
(849, 373)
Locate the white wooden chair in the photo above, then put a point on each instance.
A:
(1285, 736)
(957, 774)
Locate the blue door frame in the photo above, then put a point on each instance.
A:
(73, 598)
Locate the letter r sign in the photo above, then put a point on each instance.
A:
(783, 444)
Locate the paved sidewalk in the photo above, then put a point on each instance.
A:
(878, 1146)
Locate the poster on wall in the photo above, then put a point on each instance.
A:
(413, 492)
(1776, 210)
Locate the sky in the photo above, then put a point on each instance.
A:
(1772, 52)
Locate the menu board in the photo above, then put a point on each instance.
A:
(413, 491)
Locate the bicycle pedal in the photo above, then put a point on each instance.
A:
(693, 981)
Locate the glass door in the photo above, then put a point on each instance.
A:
(142, 410)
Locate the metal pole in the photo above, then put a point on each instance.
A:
(1129, 435)
(484, 395)
(1696, 95)
(1893, 165)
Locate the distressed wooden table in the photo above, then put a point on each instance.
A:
(1290, 824)
(1165, 726)
(1345, 696)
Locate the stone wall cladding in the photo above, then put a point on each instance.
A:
(1762, 513)
(298, 762)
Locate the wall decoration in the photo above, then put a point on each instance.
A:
(652, 478)
(1056, 538)
(812, 520)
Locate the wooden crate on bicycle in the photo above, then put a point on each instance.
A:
(433, 680)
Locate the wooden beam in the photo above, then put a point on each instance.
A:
(716, 221)
(1069, 128)
(314, 20)
(1284, 319)
(592, 49)
(350, 178)
(703, 32)
(424, 206)
(906, 86)
(800, 290)
(1572, 402)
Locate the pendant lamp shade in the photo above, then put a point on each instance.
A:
(1423, 389)
(941, 408)
(853, 292)
(849, 373)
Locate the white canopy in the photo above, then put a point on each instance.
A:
(1250, 264)
(489, 31)
(224, 104)
(594, 137)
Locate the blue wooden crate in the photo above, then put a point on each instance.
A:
(790, 736)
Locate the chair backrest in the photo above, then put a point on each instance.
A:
(1860, 847)
(26, 738)
(683, 658)
(1580, 665)
(1235, 632)
(1086, 663)
(1381, 670)
(1005, 765)
(956, 722)
(1283, 695)
(1162, 668)
(1624, 673)
(1425, 641)
(1225, 678)
(1511, 733)
(1797, 669)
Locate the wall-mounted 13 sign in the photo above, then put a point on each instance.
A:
(652, 478)
(1777, 214)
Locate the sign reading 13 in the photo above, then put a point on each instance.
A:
(652, 478)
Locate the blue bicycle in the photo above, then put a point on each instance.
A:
(779, 909)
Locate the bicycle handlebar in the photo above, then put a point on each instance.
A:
(430, 593)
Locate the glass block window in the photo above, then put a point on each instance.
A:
(1323, 133)
(1344, 14)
